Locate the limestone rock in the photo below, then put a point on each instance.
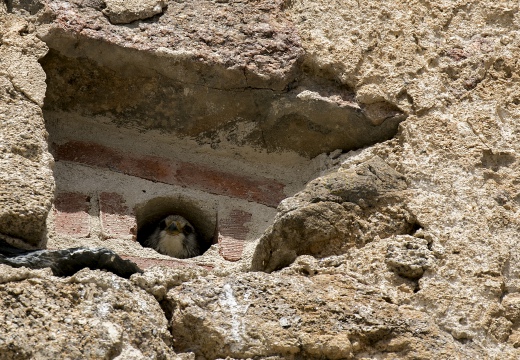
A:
(409, 256)
(324, 315)
(511, 304)
(26, 182)
(450, 68)
(92, 314)
(335, 213)
(159, 280)
(11, 274)
(224, 45)
(230, 72)
(126, 11)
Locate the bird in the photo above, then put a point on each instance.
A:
(174, 236)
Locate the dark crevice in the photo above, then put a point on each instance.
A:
(417, 288)
(387, 299)
(150, 215)
(30, 6)
(415, 227)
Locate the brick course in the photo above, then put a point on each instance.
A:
(258, 189)
(233, 231)
(117, 220)
(71, 214)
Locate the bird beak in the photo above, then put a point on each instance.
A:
(173, 227)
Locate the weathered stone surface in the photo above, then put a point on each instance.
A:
(93, 314)
(336, 212)
(26, 182)
(329, 315)
(511, 304)
(253, 43)
(451, 66)
(11, 274)
(229, 71)
(126, 11)
(409, 256)
(159, 280)
(67, 262)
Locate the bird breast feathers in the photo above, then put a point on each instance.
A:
(171, 244)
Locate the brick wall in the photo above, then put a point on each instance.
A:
(212, 180)
(117, 220)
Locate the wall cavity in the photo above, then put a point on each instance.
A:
(143, 127)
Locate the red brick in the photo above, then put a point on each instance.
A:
(258, 189)
(264, 191)
(233, 231)
(145, 263)
(117, 220)
(71, 214)
(230, 249)
(235, 224)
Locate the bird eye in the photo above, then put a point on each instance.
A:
(187, 230)
(162, 224)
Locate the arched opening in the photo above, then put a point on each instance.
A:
(202, 216)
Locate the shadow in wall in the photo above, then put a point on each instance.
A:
(204, 221)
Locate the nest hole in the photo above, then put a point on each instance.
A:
(202, 217)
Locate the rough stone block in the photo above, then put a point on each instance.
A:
(26, 182)
(145, 263)
(124, 12)
(335, 213)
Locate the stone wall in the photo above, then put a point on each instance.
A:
(26, 181)
(402, 249)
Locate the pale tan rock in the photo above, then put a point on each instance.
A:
(26, 181)
(9, 274)
(335, 213)
(127, 11)
(26, 75)
(325, 315)
(92, 314)
(452, 70)
(230, 71)
(514, 339)
(449, 290)
(511, 304)
(409, 256)
(157, 281)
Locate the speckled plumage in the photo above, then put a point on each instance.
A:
(174, 236)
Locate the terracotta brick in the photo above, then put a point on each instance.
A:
(233, 231)
(258, 189)
(117, 220)
(71, 214)
(230, 249)
(145, 263)
(234, 225)
(264, 191)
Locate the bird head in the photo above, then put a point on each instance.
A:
(176, 224)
